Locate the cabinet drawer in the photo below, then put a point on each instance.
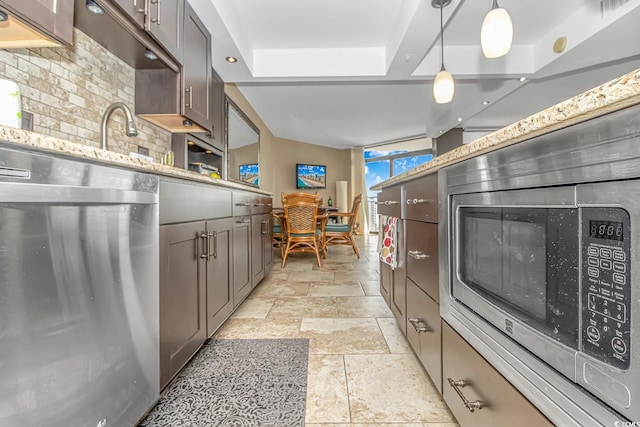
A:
(422, 256)
(390, 201)
(242, 203)
(502, 403)
(261, 204)
(421, 199)
(424, 331)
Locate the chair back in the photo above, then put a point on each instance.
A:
(301, 214)
(355, 209)
(285, 198)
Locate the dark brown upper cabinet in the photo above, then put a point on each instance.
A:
(136, 10)
(180, 102)
(196, 72)
(165, 21)
(36, 23)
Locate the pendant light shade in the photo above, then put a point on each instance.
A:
(496, 34)
(443, 85)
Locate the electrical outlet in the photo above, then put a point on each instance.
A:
(143, 150)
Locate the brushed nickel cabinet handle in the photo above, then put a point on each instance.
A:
(388, 202)
(418, 201)
(418, 325)
(207, 241)
(243, 204)
(157, 18)
(471, 406)
(258, 204)
(243, 221)
(189, 90)
(418, 255)
(215, 244)
(264, 226)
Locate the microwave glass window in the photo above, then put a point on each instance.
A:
(610, 230)
(525, 261)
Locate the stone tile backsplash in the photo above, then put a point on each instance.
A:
(68, 88)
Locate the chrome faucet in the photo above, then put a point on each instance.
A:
(132, 130)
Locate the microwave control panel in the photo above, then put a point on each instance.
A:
(606, 285)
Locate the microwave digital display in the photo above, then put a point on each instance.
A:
(610, 230)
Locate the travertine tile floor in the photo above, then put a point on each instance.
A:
(362, 371)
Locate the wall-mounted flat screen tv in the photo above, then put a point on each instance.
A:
(311, 176)
(249, 174)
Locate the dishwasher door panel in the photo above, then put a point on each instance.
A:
(78, 310)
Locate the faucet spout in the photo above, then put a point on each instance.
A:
(131, 129)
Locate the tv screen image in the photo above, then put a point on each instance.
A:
(249, 174)
(311, 176)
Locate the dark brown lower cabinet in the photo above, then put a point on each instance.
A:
(241, 258)
(258, 232)
(398, 288)
(478, 381)
(424, 332)
(219, 267)
(183, 320)
(386, 280)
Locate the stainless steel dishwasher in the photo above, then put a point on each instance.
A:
(78, 292)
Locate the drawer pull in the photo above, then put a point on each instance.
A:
(243, 221)
(471, 406)
(389, 202)
(418, 325)
(418, 255)
(418, 201)
(243, 204)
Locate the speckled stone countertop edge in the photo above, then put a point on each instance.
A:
(21, 139)
(614, 95)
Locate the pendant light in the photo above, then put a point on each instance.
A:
(496, 34)
(443, 85)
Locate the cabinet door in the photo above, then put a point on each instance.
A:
(196, 71)
(268, 241)
(164, 23)
(502, 403)
(241, 259)
(134, 9)
(258, 232)
(386, 278)
(398, 293)
(53, 17)
(424, 332)
(183, 321)
(422, 256)
(217, 109)
(219, 267)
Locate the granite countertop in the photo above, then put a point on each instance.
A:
(612, 96)
(18, 138)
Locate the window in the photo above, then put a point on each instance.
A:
(383, 162)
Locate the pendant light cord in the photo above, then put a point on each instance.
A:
(441, 40)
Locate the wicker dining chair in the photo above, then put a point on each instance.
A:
(279, 232)
(302, 233)
(342, 234)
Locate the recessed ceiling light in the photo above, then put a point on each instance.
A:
(441, 131)
(94, 7)
(459, 119)
(485, 102)
(521, 79)
(150, 55)
(232, 59)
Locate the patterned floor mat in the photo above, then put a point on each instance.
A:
(238, 383)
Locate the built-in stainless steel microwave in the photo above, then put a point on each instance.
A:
(539, 266)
